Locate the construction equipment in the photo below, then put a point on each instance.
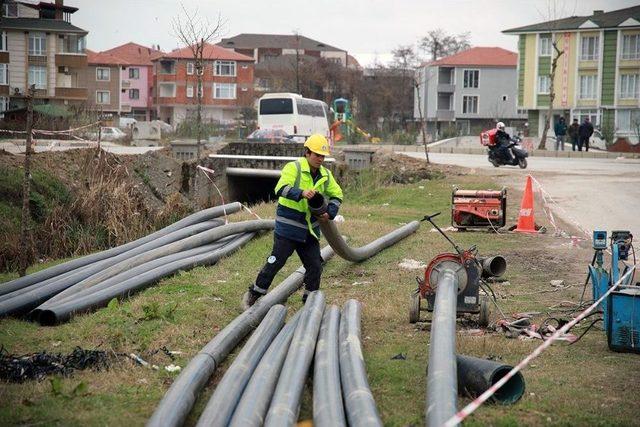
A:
(478, 209)
(469, 270)
(621, 309)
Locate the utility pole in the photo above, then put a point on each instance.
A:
(26, 187)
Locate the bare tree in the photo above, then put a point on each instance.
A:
(437, 43)
(26, 188)
(195, 33)
(404, 59)
(417, 84)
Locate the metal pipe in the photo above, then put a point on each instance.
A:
(494, 266)
(222, 403)
(442, 388)
(328, 407)
(254, 404)
(285, 404)
(63, 311)
(343, 250)
(359, 403)
(254, 173)
(179, 399)
(56, 270)
(476, 375)
(20, 302)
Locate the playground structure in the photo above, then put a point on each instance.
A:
(343, 124)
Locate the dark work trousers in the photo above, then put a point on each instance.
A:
(580, 143)
(574, 143)
(309, 253)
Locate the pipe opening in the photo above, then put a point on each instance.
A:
(47, 318)
(317, 204)
(251, 190)
(494, 266)
(512, 391)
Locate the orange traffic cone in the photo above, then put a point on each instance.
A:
(526, 221)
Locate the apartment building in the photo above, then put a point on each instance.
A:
(136, 76)
(227, 85)
(104, 83)
(470, 90)
(597, 75)
(39, 46)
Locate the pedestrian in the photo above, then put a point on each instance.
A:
(296, 228)
(560, 130)
(573, 134)
(584, 133)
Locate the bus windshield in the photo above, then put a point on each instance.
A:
(276, 106)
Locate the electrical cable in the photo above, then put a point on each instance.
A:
(586, 330)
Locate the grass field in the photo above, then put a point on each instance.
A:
(581, 384)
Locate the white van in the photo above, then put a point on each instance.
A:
(297, 116)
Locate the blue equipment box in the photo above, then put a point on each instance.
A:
(623, 320)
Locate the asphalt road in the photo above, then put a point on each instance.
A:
(596, 193)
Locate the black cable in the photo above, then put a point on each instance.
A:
(586, 330)
(586, 281)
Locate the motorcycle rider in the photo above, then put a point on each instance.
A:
(502, 144)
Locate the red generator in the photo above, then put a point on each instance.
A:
(476, 209)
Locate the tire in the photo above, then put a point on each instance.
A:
(414, 308)
(522, 163)
(494, 162)
(485, 312)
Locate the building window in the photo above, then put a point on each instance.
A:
(134, 93)
(630, 46)
(589, 48)
(544, 85)
(629, 86)
(4, 105)
(628, 120)
(225, 68)
(73, 43)
(4, 74)
(593, 116)
(167, 67)
(544, 46)
(224, 90)
(103, 97)
(167, 90)
(190, 67)
(37, 44)
(3, 41)
(103, 74)
(189, 91)
(134, 73)
(38, 76)
(469, 105)
(588, 87)
(471, 78)
(10, 10)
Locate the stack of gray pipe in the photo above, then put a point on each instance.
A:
(176, 404)
(53, 295)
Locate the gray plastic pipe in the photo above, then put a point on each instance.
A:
(359, 403)
(253, 173)
(328, 408)
(179, 399)
(21, 302)
(343, 250)
(125, 275)
(222, 403)
(285, 403)
(442, 390)
(476, 375)
(203, 238)
(494, 266)
(56, 270)
(58, 313)
(254, 404)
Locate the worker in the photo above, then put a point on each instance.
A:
(296, 228)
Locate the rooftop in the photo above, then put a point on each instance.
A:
(210, 51)
(38, 24)
(135, 54)
(103, 58)
(479, 57)
(279, 41)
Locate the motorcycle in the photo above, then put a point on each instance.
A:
(518, 155)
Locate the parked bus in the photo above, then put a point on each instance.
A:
(297, 116)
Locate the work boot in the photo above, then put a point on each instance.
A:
(249, 298)
(305, 295)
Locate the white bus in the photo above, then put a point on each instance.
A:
(297, 116)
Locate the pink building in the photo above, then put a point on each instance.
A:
(136, 79)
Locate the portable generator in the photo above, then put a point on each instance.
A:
(476, 209)
(621, 309)
(469, 270)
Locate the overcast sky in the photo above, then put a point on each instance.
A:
(367, 29)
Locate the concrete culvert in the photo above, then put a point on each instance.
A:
(251, 190)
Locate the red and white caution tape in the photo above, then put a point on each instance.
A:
(471, 407)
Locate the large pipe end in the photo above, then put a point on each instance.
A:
(512, 390)
(494, 266)
(318, 204)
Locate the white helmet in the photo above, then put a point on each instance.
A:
(500, 126)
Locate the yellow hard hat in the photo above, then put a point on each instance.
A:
(318, 144)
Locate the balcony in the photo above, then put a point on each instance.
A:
(71, 92)
(446, 87)
(445, 115)
(71, 60)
